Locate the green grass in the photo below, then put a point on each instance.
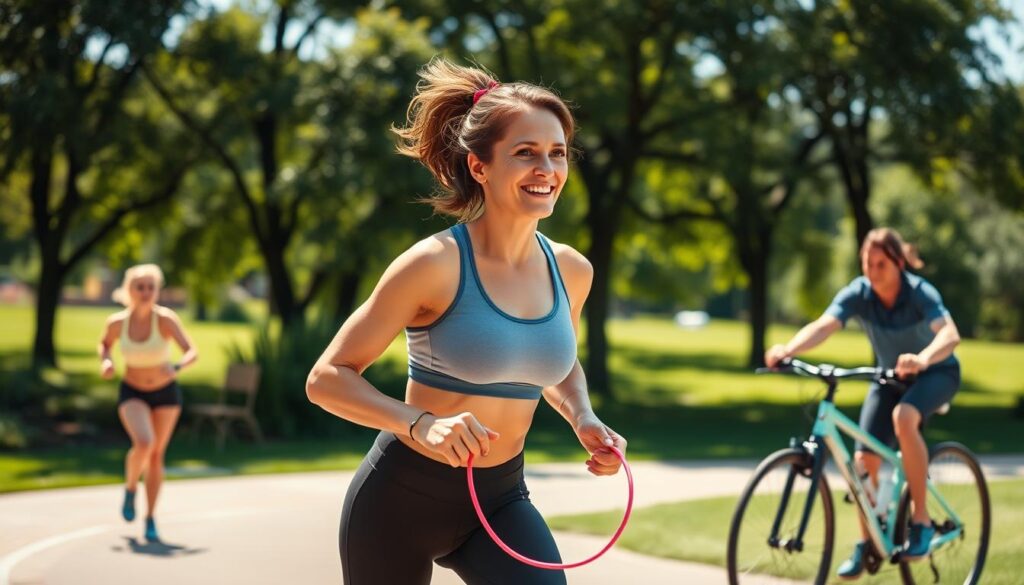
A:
(78, 333)
(189, 457)
(698, 530)
(689, 394)
(679, 395)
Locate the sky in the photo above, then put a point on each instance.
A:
(1011, 49)
(1007, 42)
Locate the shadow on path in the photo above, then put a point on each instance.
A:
(155, 548)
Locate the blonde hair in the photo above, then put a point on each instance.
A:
(120, 294)
(458, 110)
(889, 242)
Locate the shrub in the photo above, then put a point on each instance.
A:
(13, 434)
(285, 360)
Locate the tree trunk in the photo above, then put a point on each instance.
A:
(288, 307)
(755, 262)
(50, 277)
(348, 288)
(47, 298)
(851, 160)
(861, 215)
(281, 290)
(603, 221)
(600, 256)
(859, 200)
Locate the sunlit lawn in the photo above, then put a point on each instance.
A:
(698, 531)
(679, 394)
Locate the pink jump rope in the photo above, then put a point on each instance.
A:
(541, 564)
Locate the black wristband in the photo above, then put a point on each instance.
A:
(416, 420)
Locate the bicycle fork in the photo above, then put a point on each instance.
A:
(817, 453)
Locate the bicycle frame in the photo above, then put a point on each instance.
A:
(829, 427)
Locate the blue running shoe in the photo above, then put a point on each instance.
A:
(920, 541)
(853, 567)
(151, 533)
(128, 509)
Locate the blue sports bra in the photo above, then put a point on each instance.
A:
(476, 348)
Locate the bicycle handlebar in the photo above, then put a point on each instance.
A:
(830, 373)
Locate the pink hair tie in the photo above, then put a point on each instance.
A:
(482, 92)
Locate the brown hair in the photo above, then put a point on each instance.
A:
(444, 125)
(892, 245)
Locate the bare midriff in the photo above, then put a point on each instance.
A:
(150, 378)
(509, 417)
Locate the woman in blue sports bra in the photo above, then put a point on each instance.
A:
(910, 330)
(149, 400)
(491, 311)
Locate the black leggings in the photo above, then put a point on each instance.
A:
(404, 512)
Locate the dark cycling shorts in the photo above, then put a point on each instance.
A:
(405, 512)
(169, 395)
(932, 388)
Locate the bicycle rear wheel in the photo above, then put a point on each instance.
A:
(753, 558)
(957, 476)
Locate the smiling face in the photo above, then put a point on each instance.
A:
(528, 166)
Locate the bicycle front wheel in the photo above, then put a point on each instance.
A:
(762, 538)
(957, 476)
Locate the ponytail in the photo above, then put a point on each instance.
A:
(458, 110)
(892, 245)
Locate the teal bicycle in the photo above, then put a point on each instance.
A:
(784, 523)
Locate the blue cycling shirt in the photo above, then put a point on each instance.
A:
(904, 328)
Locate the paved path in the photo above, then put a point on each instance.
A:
(282, 529)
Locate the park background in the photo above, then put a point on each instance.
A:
(730, 157)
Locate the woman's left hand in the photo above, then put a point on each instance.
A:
(169, 372)
(910, 364)
(596, 437)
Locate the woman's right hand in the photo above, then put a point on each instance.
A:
(454, 437)
(107, 369)
(774, 355)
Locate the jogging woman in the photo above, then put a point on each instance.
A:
(491, 312)
(149, 400)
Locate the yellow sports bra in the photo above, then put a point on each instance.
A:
(154, 351)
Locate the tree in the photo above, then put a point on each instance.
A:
(793, 83)
(1001, 263)
(298, 136)
(622, 68)
(69, 128)
(938, 220)
(900, 83)
(751, 148)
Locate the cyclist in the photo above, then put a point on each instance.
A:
(911, 331)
